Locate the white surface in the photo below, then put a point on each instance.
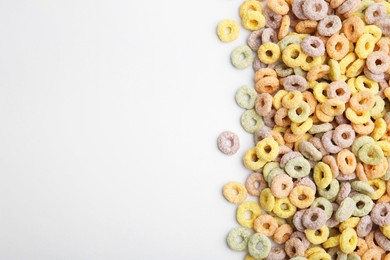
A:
(109, 115)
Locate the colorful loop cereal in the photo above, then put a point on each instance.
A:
(240, 51)
(314, 218)
(364, 227)
(300, 113)
(329, 26)
(283, 70)
(288, 40)
(302, 196)
(267, 149)
(363, 205)
(269, 52)
(232, 238)
(345, 210)
(267, 200)
(235, 192)
(317, 236)
(250, 6)
(281, 186)
(292, 99)
(331, 191)
(339, 90)
(380, 214)
(329, 146)
(345, 190)
(278, 6)
(251, 121)
(370, 154)
(246, 97)
(294, 247)
(272, 19)
(264, 72)
(382, 241)
(378, 62)
(357, 118)
(365, 45)
(348, 240)
(267, 85)
(263, 104)
(309, 151)
(297, 9)
(317, 72)
(295, 82)
(322, 175)
(228, 143)
(284, 26)
(283, 208)
(362, 101)
(374, 12)
(363, 187)
(353, 28)
(228, 30)
(315, 10)
(243, 208)
(253, 21)
(254, 39)
(255, 183)
(313, 46)
(283, 233)
(256, 241)
(337, 46)
(266, 225)
(293, 56)
(251, 161)
(298, 167)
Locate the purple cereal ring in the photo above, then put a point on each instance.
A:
(364, 227)
(313, 46)
(269, 35)
(297, 220)
(261, 134)
(314, 218)
(287, 157)
(373, 76)
(378, 62)
(374, 12)
(341, 119)
(347, 6)
(294, 20)
(269, 119)
(345, 190)
(297, 9)
(255, 183)
(276, 254)
(272, 19)
(329, 25)
(228, 143)
(332, 222)
(380, 214)
(384, 24)
(382, 240)
(257, 64)
(340, 90)
(315, 9)
(301, 236)
(294, 247)
(316, 142)
(343, 136)
(295, 82)
(254, 39)
(329, 146)
(346, 177)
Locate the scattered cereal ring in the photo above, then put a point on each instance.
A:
(257, 240)
(235, 192)
(228, 30)
(244, 51)
(228, 143)
(243, 233)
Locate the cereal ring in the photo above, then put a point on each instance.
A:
(297, 9)
(267, 85)
(329, 25)
(283, 233)
(294, 247)
(331, 191)
(268, 52)
(364, 227)
(298, 167)
(380, 214)
(228, 143)
(253, 21)
(372, 76)
(353, 28)
(281, 117)
(287, 157)
(362, 83)
(267, 200)
(251, 161)
(263, 73)
(384, 25)
(345, 209)
(317, 72)
(250, 6)
(276, 254)
(322, 175)
(283, 70)
(374, 12)
(267, 149)
(345, 190)
(355, 68)
(293, 56)
(328, 144)
(257, 240)
(344, 64)
(317, 236)
(284, 26)
(263, 104)
(281, 186)
(291, 99)
(273, 20)
(315, 10)
(321, 128)
(283, 208)
(363, 187)
(362, 101)
(278, 6)
(251, 121)
(248, 206)
(365, 45)
(269, 119)
(302, 237)
(324, 204)
(363, 205)
(378, 62)
(266, 225)
(376, 171)
(295, 82)
(235, 192)
(346, 6)
(300, 113)
(246, 97)
(228, 30)
(357, 118)
(242, 51)
(370, 154)
(314, 218)
(309, 151)
(337, 46)
(343, 136)
(302, 196)
(297, 220)
(255, 183)
(348, 240)
(288, 40)
(234, 234)
(339, 90)
(254, 39)
(382, 241)
(313, 46)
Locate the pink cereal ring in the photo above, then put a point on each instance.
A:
(228, 143)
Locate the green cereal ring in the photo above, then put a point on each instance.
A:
(324, 204)
(302, 116)
(243, 233)
(300, 72)
(330, 192)
(288, 40)
(359, 142)
(353, 257)
(253, 246)
(283, 70)
(345, 210)
(268, 167)
(322, 128)
(251, 121)
(238, 53)
(273, 173)
(379, 105)
(298, 167)
(363, 203)
(363, 187)
(246, 97)
(370, 154)
(309, 151)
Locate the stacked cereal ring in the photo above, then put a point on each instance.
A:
(319, 113)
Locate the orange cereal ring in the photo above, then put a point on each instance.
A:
(346, 161)
(362, 101)
(322, 116)
(376, 171)
(302, 196)
(283, 233)
(284, 26)
(333, 107)
(309, 98)
(337, 46)
(266, 225)
(265, 72)
(306, 26)
(360, 172)
(317, 72)
(361, 247)
(290, 137)
(365, 128)
(267, 85)
(281, 117)
(278, 6)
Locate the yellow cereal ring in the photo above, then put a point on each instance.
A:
(375, 31)
(363, 83)
(251, 161)
(380, 129)
(253, 21)
(333, 107)
(269, 53)
(385, 146)
(293, 56)
(314, 250)
(386, 231)
(283, 208)
(356, 68)
(356, 118)
(301, 128)
(248, 206)
(267, 200)
(277, 99)
(379, 187)
(320, 256)
(292, 99)
(346, 61)
(348, 240)
(322, 175)
(349, 223)
(228, 30)
(332, 242)
(365, 45)
(351, 85)
(335, 72)
(267, 149)
(317, 236)
(319, 90)
(311, 62)
(250, 6)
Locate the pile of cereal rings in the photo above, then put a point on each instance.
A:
(319, 113)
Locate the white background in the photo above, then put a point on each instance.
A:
(109, 116)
